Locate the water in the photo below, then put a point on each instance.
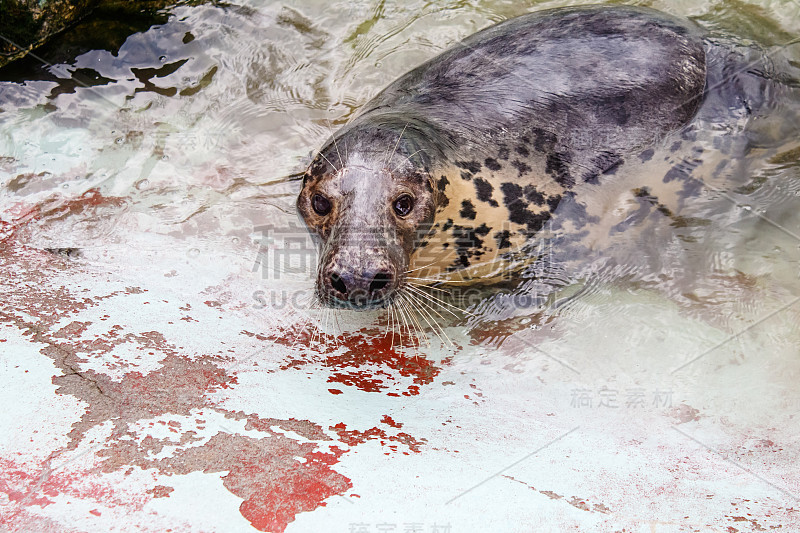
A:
(170, 153)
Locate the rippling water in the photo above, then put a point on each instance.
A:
(170, 149)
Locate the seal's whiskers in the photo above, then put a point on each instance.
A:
(401, 308)
(431, 287)
(425, 311)
(436, 280)
(418, 268)
(407, 159)
(429, 307)
(335, 326)
(414, 311)
(390, 323)
(318, 326)
(408, 319)
(401, 320)
(386, 161)
(417, 289)
(335, 144)
(439, 301)
(410, 308)
(418, 332)
(396, 322)
(331, 164)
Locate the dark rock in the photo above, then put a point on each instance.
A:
(26, 24)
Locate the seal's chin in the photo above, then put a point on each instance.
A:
(356, 302)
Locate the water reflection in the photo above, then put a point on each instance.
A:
(156, 163)
(186, 122)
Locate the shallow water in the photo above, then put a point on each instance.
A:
(172, 151)
(194, 123)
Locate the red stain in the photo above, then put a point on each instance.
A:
(274, 485)
(7, 230)
(355, 437)
(17, 483)
(265, 472)
(271, 506)
(73, 329)
(368, 360)
(160, 491)
(95, 512)
(332, 391)
(58, 207)
(388, 420)
(13, 482)
(90, 199)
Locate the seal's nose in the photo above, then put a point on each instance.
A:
(362, 289)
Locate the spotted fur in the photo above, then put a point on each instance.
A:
(509, 127)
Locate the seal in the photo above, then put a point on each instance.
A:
(449, 172)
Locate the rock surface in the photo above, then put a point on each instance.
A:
(26, 24)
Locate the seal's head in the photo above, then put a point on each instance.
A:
(367, 198)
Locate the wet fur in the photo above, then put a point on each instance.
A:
(525, 120)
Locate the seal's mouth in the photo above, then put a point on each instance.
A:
(359, 305)
(358, 302)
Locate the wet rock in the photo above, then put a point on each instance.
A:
(27, 24)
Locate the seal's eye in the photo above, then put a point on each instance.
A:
(321, 205)
(403, 205)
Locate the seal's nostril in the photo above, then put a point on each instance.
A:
(380, 281)
(338, 284)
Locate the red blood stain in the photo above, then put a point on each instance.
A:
(388, 420)
(332, 391)
(58, 207)
(369, 360)
(17, 483)
(275, 486)
(95, 512)
(271, 505)
(264, 472)
(160, 491)
(73, 329)
(13, 482)
(355, 437)
(7, 230)
(179, 386)
(90, 199)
